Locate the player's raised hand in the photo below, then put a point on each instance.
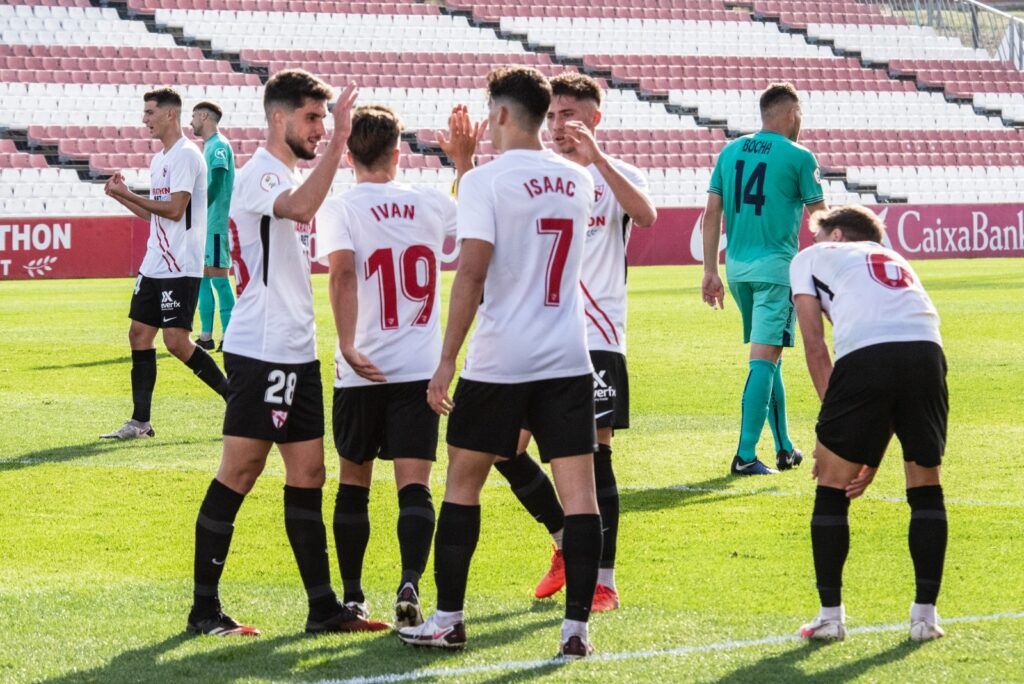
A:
(859, 484)
(581, 137)
(362, 365)
(437, 390)
(342, 112)
(463, 136)
(712, 291)
(115, 185)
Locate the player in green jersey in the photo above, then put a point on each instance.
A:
(220, 163)
(761, 185)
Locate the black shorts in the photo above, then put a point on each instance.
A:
(276, 402)
(560, 412)
(391, 420)
(611, 390)
(165, 302)
(895, 387)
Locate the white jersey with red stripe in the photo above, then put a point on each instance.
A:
(604, 262)
(871, 294)
(273, 317)
(175, 248)
(396, 233)
(533, 206)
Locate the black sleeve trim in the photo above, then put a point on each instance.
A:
(265, 242)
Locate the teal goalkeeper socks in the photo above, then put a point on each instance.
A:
(777, 412)
(226, 297)
(755, 407)
(206, 305)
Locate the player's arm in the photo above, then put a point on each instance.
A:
(461, 142)
(217, 186)
(467, 291)
(172, 209)
(301, 203)
(634, 201)
(813, 209)
(812, 328)
(711, 288)
(343, 293)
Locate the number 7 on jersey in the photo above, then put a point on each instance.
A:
(561, 229)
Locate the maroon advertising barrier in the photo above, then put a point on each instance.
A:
(113, 246)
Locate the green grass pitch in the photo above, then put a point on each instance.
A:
(714, 573)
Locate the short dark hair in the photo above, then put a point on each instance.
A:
(524, 86)
(857, 223)
(578, 86)
(375, 133)
(292, 87)
(163, 97)
(776, 93)
(212, 107)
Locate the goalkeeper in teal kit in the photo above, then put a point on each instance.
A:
(760, 186)
(220, 164)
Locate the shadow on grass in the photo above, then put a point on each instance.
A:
(71, 453)
(784, 666)
(709, 491)
(294, 656)
(102, 362)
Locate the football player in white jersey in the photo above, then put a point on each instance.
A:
(274, 390)
(620, 202)
(522, 220)
(167, 287)
(889, 377)
(383, 241)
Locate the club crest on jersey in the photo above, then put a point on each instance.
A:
(278, 418)
(598, 192)
(269, 181)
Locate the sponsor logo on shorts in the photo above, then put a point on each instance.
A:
(278, 418)
(168, 302)
(602, 390)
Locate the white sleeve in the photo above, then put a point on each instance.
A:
(476, 209)
(262, 192)
(184, 173)
(636, 177)
(801, 278)
(333, 226)
(449, 213)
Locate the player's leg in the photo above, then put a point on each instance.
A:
(606, 595)
(920, 423)
(458, 531)
(242, 461)
(352, 530)
(561, 414)
(144, 313)
(218, 274)
(532, 486)
(416, 521)
(206, 311)
(176, 322)
(786, 455)
(763, 329)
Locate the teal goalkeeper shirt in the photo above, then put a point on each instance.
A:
(765, 180)
(219, 155)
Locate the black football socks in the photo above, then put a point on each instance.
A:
(143, 382)
(415, 531)
(581, 548)
(351, 535)
(458, 530)
(214, 526)
(206, 369)
(927, 539)
(830, 542)
(607, 503)
(304, 523)
(533, 488)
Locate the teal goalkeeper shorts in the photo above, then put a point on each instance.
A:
(218, 254)
(767, 311)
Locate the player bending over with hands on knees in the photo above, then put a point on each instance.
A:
(889, 377)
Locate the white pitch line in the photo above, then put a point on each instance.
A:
(679, 651)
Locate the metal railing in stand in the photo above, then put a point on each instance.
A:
(975, 24)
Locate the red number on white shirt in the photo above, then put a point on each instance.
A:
(887, 272)
(561, 228)
(414, 287)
